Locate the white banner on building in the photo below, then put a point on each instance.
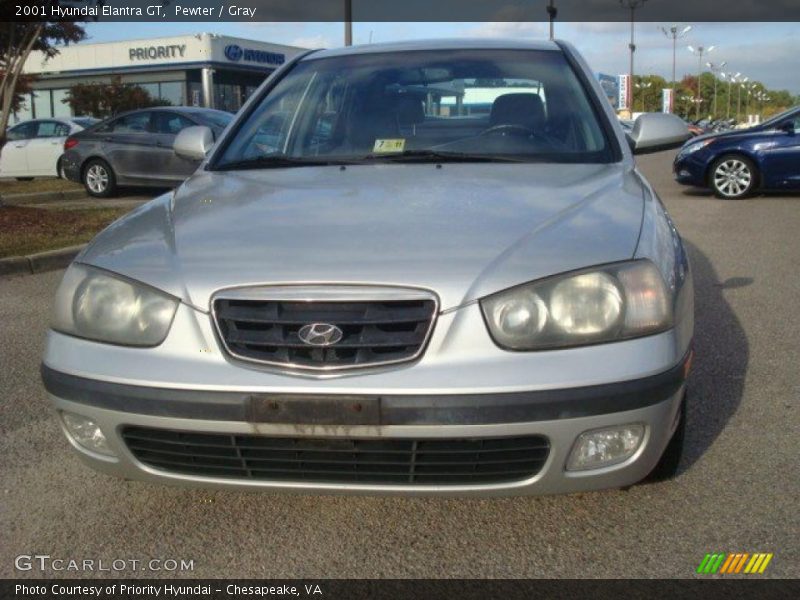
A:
(624, 92)
(667, 99)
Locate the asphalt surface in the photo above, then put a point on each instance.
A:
(737, 491)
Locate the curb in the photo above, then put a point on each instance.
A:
(40, 262)
(35, 197)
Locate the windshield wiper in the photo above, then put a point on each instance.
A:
(443, 156)
(278, 161)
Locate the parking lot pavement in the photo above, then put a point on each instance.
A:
(737, 491)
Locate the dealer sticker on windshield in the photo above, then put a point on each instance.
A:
(392, 145)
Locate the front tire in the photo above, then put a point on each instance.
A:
(99, 179)
(732, 177)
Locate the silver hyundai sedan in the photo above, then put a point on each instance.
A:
(417, 268)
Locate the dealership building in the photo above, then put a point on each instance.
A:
(197, 70)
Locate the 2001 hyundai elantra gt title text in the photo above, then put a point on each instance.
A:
(426, 268)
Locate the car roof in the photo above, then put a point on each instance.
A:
(186, 109)
(438, 44)
(39, 120)
(178, 109)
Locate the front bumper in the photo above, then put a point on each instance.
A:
(463, 386)
(691, 169)
(559, 415)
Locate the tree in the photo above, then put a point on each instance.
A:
(18, 38)
(107, 99)
(648, 89)
(22, 90)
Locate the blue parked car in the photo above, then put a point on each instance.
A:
(736, 163)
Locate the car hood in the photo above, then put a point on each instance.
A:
(461, 230)
(730, 134)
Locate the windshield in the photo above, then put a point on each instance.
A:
(519, 105)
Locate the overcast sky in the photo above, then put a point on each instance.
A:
(766, 52)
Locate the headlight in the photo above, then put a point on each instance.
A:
(605, 304)
(104, 307)
(586, 304)
(694, 147)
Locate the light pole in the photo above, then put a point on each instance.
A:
(348, 22)
(643, 86)
(631, 5)
(699, 51)
(690, 99)
(731, 79)
(714, 70)
(552, 12)
(750, 89)
(761, 99)
(764, 100)
(674, 34)
(739, 98)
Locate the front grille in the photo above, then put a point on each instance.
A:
(380, 461)
(372, 332)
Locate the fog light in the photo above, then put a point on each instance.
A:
(87, 433)
(604, 447)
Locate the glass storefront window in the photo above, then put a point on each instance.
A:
(195, 94)
(24, 113)
(249, 90)
(172, 91)
(227, 97)
(231, 90)
(41, 104)
(150, 88)
(60, 108)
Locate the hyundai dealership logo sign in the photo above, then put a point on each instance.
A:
(235, 53)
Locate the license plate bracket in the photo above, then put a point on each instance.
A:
(314, 409)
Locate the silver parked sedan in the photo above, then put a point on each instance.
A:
(419, 268)
(135, 148)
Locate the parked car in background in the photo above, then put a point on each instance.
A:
(34, 148)
(135, 148)
(694, 129)
(388, 295)
(737, 162)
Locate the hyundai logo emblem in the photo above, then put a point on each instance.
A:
(233, 52)
(320, 334)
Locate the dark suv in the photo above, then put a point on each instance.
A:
(135, 148)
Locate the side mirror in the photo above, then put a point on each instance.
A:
(787, 126)
(658, 131)
(193, 143)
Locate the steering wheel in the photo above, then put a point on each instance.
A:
(511, 128)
